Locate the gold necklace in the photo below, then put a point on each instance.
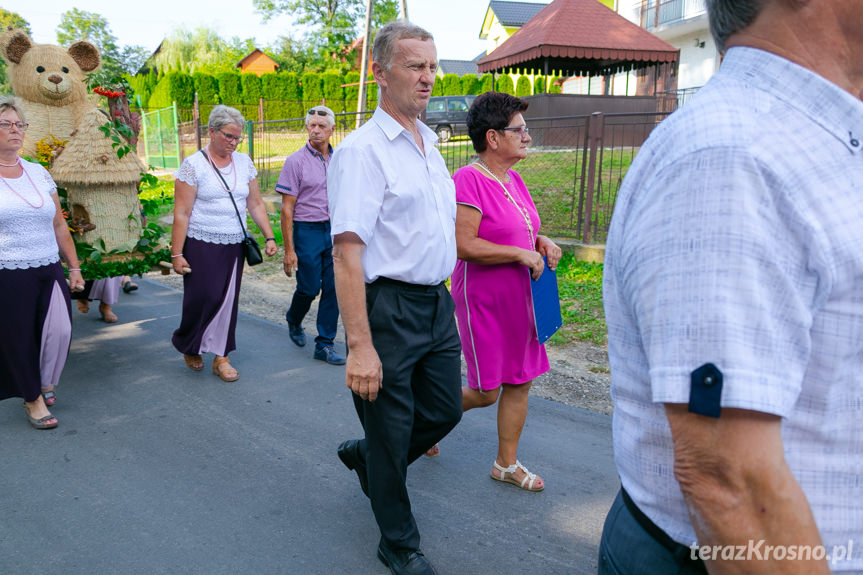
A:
(522, 210)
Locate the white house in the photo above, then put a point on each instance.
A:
(683, 24)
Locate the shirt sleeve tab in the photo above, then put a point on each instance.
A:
(705, 391)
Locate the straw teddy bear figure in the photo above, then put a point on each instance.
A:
(50, 85)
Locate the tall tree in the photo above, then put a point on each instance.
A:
(333, 24)
(76, 25)
(10, 20)
(201, 50)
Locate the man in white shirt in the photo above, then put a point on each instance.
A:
(733, 293)
(392, 211)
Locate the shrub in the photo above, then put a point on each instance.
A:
(173, 87)
(486, 83)
(504, 84)
(437, 89)
(293, 94)
(313, 91)
(251, 88)
(230, 92)
(451, 85)
(522, 87)
(539, 84)
(334, 94)
(470, 85)
(553, 87)
(372, 91)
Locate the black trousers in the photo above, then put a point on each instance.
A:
(414, 333)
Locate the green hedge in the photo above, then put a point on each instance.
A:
(230, 91)
(251, 87)
(334, 94)
(372, 93)
(208, 93)
(173, 87)
(313, 91)
(554, 88)
(504, 84)
(451, 85)
(470, 85)
(437, 89)
(539, 84)
(486, 83)
(522, 87)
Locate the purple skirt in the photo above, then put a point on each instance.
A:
(36, 329)
(211, 294)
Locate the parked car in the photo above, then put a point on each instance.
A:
(446, 115)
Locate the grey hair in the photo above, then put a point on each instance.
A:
(11, 103)
(223, 115)
(331, 117)
(730, 16)
(385, 42)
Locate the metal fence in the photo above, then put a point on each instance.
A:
(573, 169)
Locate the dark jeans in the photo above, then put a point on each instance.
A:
(314, 248)
(627, 548)
(413, 331)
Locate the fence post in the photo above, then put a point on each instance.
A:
(176, 117)
(595, 131)
(196, 114)
(250, 133)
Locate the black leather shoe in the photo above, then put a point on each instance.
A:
(350, 456)
(297, 334)
(404, 562)
(329, 355)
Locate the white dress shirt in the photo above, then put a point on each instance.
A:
(737, 239)
(397, 199)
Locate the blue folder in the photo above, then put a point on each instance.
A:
(546, 304)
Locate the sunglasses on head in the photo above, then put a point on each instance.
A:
(318, 112)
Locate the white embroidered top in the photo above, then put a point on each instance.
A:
(213, 217)
(27, 237)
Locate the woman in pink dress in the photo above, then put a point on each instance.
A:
(499, 250)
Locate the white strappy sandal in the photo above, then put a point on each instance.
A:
(528, 483)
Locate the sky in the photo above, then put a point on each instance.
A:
(455, 24)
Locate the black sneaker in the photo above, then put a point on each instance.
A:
(404, 562)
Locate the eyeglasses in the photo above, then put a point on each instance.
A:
(231, 137)
(523, 132)
(6, 125)
(318, 112)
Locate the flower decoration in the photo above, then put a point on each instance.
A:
(108, 93)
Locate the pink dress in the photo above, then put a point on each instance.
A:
(493, 303)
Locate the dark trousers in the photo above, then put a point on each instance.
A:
(627, 548)
(314, 248)
(413, 331)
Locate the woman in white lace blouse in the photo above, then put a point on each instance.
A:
(207, 238)
(34, 332)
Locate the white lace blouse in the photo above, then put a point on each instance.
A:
(27, 212)
(213, 218)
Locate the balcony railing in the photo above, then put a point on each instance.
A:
(657, 13)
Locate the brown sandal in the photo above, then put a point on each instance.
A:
(222, 367)
(194, 362)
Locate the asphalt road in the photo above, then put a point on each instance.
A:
(155, 469)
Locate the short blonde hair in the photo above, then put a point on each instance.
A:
(9, 102)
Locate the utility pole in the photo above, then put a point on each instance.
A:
(404, 9)
(364, 63)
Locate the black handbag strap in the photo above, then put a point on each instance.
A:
(227, 189)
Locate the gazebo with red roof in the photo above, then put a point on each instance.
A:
(580, 38)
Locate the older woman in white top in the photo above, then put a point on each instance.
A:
(36, 331)
(207, 238)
